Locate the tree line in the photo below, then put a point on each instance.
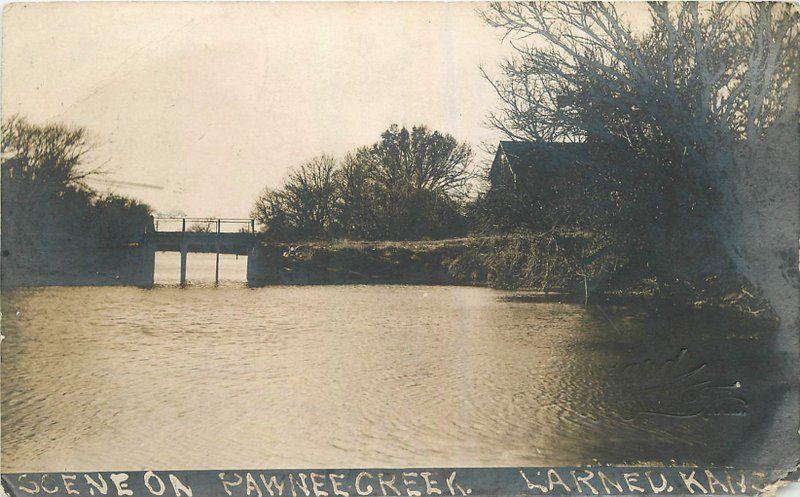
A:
(49, 212)
(412, 184)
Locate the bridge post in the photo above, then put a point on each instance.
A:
(184, 250)
(216, 273)
(146, 256)
(145, 274)
(253, 266)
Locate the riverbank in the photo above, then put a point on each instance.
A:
(504, 262)
(350, 262)
(541, 268)
(129, 265)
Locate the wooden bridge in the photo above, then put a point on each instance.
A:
(202, 235)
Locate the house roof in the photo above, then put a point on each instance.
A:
(525, 154)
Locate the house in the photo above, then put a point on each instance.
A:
(534, 167)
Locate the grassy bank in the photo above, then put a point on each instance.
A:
(532, 262)
(348, 262)
(540, 266)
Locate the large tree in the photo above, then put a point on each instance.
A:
(417, 179)
(43, 160)
(696, 64)
(361, 201)
(306, 207)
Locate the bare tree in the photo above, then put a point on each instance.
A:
(311, 196)
(417, 179)
(723, 62)
(306, 206)
(422, 160)
(43, 158)
(360, 212)
(271, 212)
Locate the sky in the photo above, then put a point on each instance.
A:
(208, 103)
(195, 108)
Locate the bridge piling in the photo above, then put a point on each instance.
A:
(184, 252)
(145, 274)
(216, 272)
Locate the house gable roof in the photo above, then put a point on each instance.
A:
(524, 155)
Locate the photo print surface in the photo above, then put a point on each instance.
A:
(451, 248)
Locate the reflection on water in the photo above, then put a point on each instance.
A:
(349, 376)
(200, 269)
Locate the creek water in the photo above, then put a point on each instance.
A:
(102, 378)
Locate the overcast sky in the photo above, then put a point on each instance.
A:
(211, 102)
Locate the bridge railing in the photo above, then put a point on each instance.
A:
(203, 225)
